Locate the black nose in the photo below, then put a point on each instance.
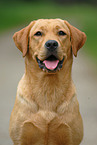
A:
(51, 45)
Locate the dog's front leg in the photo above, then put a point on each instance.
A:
(68, 113)
(22, 111)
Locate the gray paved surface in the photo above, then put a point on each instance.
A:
(11, 70)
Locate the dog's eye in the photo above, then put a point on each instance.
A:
(62, 33)
(38, 33)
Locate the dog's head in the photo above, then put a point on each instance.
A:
(49, 42)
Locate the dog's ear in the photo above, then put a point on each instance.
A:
(78, 38)
(21, 38)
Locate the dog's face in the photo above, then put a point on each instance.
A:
(50, 42)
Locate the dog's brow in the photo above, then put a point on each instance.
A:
(43, 28)
(57, 27)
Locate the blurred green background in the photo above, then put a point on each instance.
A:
(80, 13)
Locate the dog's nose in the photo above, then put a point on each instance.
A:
(51, 45)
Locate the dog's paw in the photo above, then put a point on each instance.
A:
(40, 131)
(31, 134)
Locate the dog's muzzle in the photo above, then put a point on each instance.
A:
(51, 63)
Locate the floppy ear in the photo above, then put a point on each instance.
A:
(78, 38)
(21, 38)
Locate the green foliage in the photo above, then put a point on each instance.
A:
(83, 17)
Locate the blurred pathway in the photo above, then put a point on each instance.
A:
(11, 70)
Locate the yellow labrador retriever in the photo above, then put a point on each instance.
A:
(46, 110)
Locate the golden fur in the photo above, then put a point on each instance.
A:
(46, 110)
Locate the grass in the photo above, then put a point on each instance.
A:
(83, 17)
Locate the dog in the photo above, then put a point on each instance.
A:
(46, 110)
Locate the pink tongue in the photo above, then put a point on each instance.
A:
(51, 64)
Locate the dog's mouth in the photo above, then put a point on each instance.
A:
(50, 64)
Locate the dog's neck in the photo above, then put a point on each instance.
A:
(47, 89)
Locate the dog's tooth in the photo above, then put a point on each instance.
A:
(44, 69)
(58, 69)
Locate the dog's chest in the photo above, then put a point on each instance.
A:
(45, 96)
(49, 101)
